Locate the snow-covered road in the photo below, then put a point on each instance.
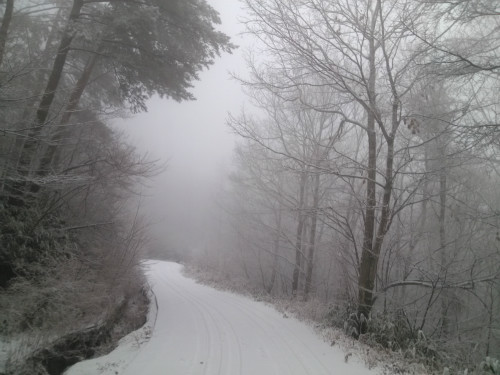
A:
(200, 330)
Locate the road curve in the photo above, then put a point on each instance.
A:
(203, 331)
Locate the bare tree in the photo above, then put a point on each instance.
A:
(356, 48)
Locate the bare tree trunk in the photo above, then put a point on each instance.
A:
(370, 256)
(300, 229)
(48, 96)
(38, 82)
(442, 241)
(312, 236)
(368, 259)
(57, 69)
(4, 29)
(490, 320)
(276, 252)
(51, 153)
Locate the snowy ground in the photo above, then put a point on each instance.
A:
(200, 330)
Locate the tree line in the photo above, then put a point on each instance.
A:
(367, 176)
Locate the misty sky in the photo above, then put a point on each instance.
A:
(192, 137)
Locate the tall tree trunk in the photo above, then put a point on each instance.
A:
(300, 230)
(63, 130)
(372, 247)
(312, 236)
(366, 281)
(48, 96)
(442, 239)
(57, 69)
(4, 28)
(38, 85)
(276, 249)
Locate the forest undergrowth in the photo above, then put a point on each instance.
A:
(50, 303)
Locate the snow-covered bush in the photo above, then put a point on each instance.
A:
(490, 366)
(390, 331)
(71, 299)
(340, 314)
(29, 241)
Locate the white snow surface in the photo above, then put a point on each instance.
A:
(200, 330)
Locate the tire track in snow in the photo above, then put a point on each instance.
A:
(230, 343)
(210, 305)
(268, 339)
(297, 339)
(230, 361)
(290, 355)
(266, 327)
(209, 326)
(206, 338)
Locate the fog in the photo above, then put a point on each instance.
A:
(192, 141)
(361, 195)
